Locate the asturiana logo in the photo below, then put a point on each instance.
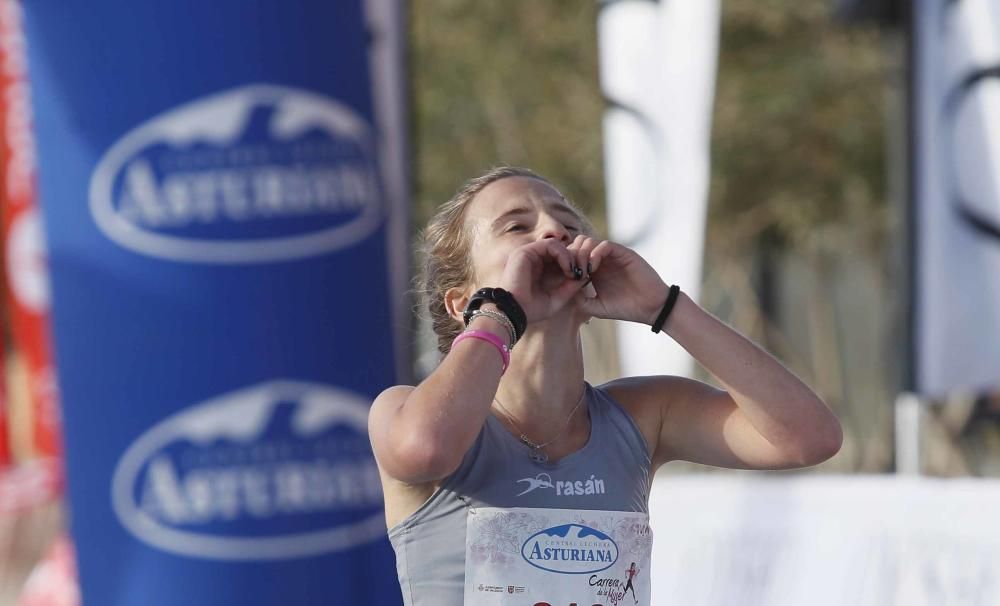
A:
(278, 470)
(570, 549)
(258, 173)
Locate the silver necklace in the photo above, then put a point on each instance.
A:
(537, 454)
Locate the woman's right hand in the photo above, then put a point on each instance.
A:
(540, 276)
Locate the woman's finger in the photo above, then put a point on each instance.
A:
(592, 306)
(562, 256)
(599, 252)
(577, 241)
(583, 253)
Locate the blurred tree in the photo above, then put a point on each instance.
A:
(798, 129)
(799, 221)
(505, 83)
(799, 132)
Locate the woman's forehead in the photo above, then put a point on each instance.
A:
(509, 193)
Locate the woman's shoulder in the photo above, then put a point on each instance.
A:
(645, 391)
(392, 397)
(395, 391)
(645, 399)
(622, 393)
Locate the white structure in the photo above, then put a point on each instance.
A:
(726, 538)
(658, 65)
(956, 291)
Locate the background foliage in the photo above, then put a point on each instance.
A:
(798, 250)
(511, 82)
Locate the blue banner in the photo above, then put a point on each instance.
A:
(222, 296)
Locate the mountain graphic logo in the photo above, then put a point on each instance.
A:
(278, 470)
(254, 174)
(570, 549)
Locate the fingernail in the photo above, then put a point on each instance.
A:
(590, 269)
(577, 272)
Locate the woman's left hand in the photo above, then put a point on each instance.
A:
(627, 287)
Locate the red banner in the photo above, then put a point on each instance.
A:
(4, 424)
(22, 236)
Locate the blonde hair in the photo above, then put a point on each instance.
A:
(445, 250)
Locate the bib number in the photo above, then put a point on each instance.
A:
(557, 557)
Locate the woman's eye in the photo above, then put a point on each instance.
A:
(571, 227)
(514, 227)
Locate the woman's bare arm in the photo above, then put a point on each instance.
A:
(420, 434)
(765, 419)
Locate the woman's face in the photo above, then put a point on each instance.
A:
(512, 212)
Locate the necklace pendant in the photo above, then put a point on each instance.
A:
(538, 456)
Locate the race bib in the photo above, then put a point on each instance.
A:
(557, 557)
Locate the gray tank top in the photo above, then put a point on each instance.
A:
(611, 473)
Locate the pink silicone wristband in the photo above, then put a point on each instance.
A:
(491, 338)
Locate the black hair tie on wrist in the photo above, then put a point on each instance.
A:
(667, 307)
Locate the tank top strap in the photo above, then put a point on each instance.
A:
(611, 417)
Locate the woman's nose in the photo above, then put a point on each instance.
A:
(555, 229)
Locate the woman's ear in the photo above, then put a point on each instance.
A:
(455, 301)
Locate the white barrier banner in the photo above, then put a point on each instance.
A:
(825, 541)
(658, 64)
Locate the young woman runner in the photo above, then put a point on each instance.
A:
(508, 479)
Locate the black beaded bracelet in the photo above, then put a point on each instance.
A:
(504, 301)
(667, 307)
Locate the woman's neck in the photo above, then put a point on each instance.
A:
(545, 379)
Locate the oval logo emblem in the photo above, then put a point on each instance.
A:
(570, 549)
(255, 174)
(278, 470)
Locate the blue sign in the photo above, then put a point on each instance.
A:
(222, 301)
